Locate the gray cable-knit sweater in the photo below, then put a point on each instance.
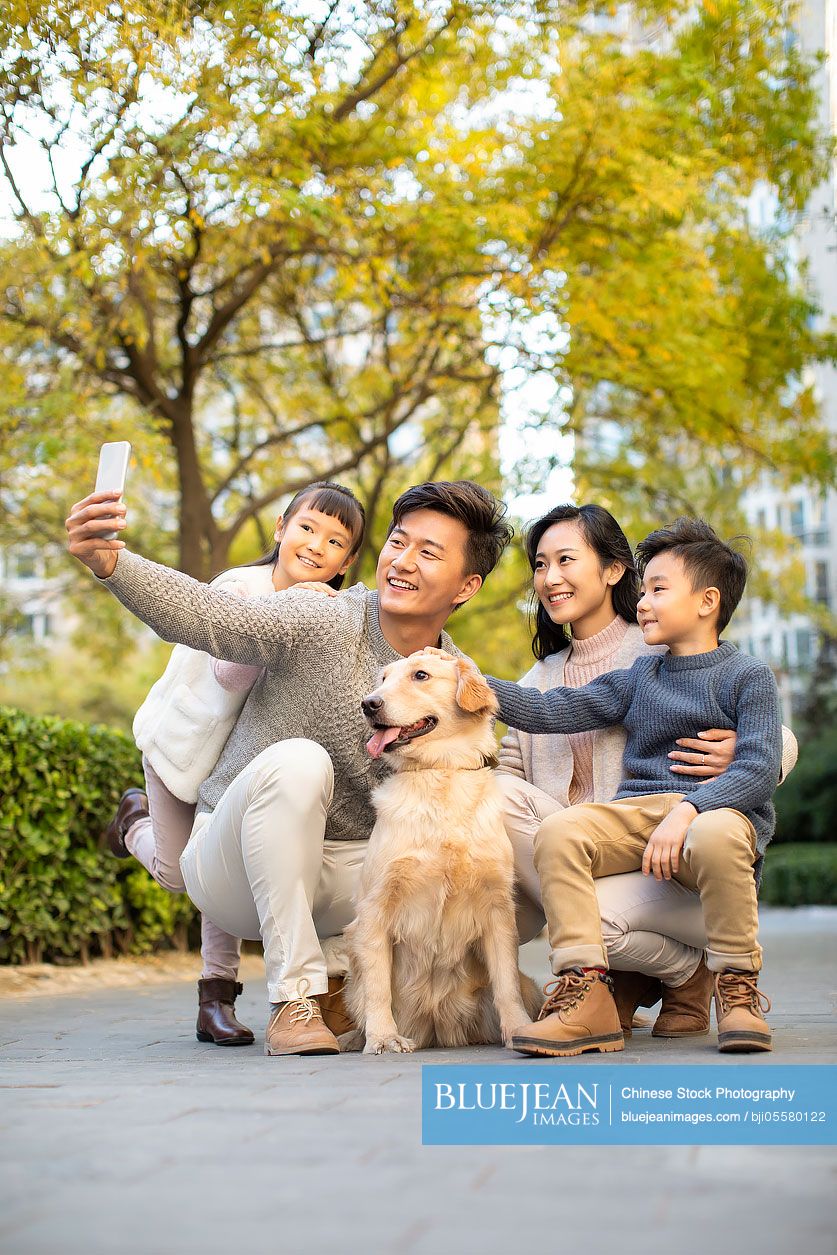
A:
(661, 698)
(322, 655)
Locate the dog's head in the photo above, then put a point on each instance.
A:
(433, 711)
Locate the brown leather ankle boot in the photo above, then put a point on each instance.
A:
(685, 1010)
(133, 805)
(216, 1014)
(630, 991)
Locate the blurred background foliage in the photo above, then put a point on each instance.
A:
(278, 241)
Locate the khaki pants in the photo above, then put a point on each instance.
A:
(576, 846)
(648, 925)
(260, 867)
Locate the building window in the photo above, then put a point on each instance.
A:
(797, 519)
(803, 647)
(24, 564)
(821, 592)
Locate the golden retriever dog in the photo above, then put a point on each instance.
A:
(433, 950)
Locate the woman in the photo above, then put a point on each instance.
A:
(587, 589)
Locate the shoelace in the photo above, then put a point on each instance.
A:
(737, 990)
(303, 1010)
(563, 993)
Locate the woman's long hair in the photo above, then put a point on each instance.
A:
(604, 535)
(335, 500)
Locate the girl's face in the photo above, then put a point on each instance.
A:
(570, 583)
(312, 546)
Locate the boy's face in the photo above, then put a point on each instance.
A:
(670, 612)
(421, 569)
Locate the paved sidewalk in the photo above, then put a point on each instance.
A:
(119, 1132)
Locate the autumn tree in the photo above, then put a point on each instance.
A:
(272, 242)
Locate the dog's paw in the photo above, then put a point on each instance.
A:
(353, 1040)
(511, 1028)
(389, 1045)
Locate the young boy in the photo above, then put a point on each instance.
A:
(710, 837)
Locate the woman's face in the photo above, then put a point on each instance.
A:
(570, 583)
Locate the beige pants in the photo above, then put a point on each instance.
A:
(648, 925)
(577, 845)
(259, 866)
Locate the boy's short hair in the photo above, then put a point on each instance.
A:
(481, 513)
(708, 561)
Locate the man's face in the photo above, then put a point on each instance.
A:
(422, 568)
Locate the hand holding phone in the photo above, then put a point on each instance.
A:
(90, 524)
(113, 471)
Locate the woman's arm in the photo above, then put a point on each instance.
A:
(510, 760)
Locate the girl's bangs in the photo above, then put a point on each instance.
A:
(337, 506)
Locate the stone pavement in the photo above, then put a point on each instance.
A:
(120, 1133)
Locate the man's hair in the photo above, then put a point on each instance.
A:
(474, 507)
(709, 562)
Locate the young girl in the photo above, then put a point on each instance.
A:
(183, 724)
(587, 591)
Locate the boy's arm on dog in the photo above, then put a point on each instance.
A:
(600, 704)
(754, 774)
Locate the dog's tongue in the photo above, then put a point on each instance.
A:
(380, 739)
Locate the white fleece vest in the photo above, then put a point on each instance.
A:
(185, 720)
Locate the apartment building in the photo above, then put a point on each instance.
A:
(790, 643)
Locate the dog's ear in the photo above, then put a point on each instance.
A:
(472, 692)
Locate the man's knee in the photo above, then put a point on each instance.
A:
(300, 768)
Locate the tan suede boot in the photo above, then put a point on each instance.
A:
(630, 991)
(685, 1010)
(297, 1028)
(738, 1010)
(333, 1007)
(579, 1014)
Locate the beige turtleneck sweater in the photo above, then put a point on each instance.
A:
(585, 661)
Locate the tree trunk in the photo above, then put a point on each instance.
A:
(196, 526)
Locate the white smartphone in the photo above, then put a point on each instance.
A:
(113, 471)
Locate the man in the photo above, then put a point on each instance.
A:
(283, 820)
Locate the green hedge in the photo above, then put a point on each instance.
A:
(62, 896)
(806, 804)
(65, 898)
(796, 875)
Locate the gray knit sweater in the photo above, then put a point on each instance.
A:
(663, 697)
(322, 655)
